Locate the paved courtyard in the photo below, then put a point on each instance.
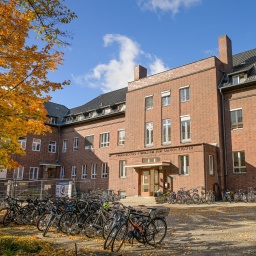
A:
(219, 229)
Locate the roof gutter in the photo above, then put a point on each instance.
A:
(224, 133)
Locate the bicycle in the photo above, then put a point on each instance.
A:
(150, 229)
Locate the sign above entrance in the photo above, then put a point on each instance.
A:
(145, 152)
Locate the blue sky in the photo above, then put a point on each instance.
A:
(112, 36)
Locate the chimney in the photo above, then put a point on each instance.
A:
(225, 52)
(139, 72)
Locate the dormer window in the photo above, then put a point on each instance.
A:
(80, 117)
(237, 79)
(68, 119)
(122, 107)
(107, 110)
(93, 114)
(53, 120)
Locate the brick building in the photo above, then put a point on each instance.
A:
(185, 127)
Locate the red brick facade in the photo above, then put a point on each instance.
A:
(196, 109)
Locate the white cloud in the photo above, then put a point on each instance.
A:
(157, 66)
(118, 72)
(167, 5)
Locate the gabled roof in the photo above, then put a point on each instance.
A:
(244, 62)
(103, 100)
(56, 110)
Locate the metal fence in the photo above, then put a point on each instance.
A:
(41, 188)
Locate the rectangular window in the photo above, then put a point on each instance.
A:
(64, 146)
(62, 172)
(73, 172)
(236, 119)
(166, 131)
(53, 120)
(18, 173)
(184, 94)
(75, 144)
(239, 162)
(89, 142)
(166, 98)
(149, 102)
(185, 128)
(33, 173)
(84, 172)
(184, 165)
(104, 170)
(121, 137)
(238, 79)
(211, 165)
(122, 169)
(151, 160)
(104, 139)
(149, 134)
(94, 171)
(36, 144)
(23, 142)
(52, 147)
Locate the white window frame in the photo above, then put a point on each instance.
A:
(104, 170)
(211, 165)
(149, 102)
(122, 169)
(18, 173)
(166, 98)
(62, 172)
(149, 134)
(53, 120)
(64, 146)
(121, 137)
(52, 147)
(23, 142)
(166, 131)
(104, 139)
(91, 146)
(184, 165)
(239, 167)
(73, 172)
(35, 172)
(36, 144)
(84, 172)
(184, 94)
(237, 124)
(185, 136)
(93, 171)
(237, 79)
(75, 144)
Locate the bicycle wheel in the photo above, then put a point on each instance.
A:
(8, 217)
(64, 222)
(110, 237)
(3, 212)
(49, 224)
(156, 231)
(42, 221)
(119, 238)
(93, 225)
(107, 227)
(196, 198)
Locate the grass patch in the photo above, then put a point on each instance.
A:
(28, 245)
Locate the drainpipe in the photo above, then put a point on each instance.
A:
(224, 135)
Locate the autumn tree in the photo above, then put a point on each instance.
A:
(23, 68)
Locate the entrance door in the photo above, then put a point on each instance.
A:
(145, 179)
(149, 182)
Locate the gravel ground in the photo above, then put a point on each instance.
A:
(219, 229)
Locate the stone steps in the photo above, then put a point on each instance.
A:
(138, 200)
